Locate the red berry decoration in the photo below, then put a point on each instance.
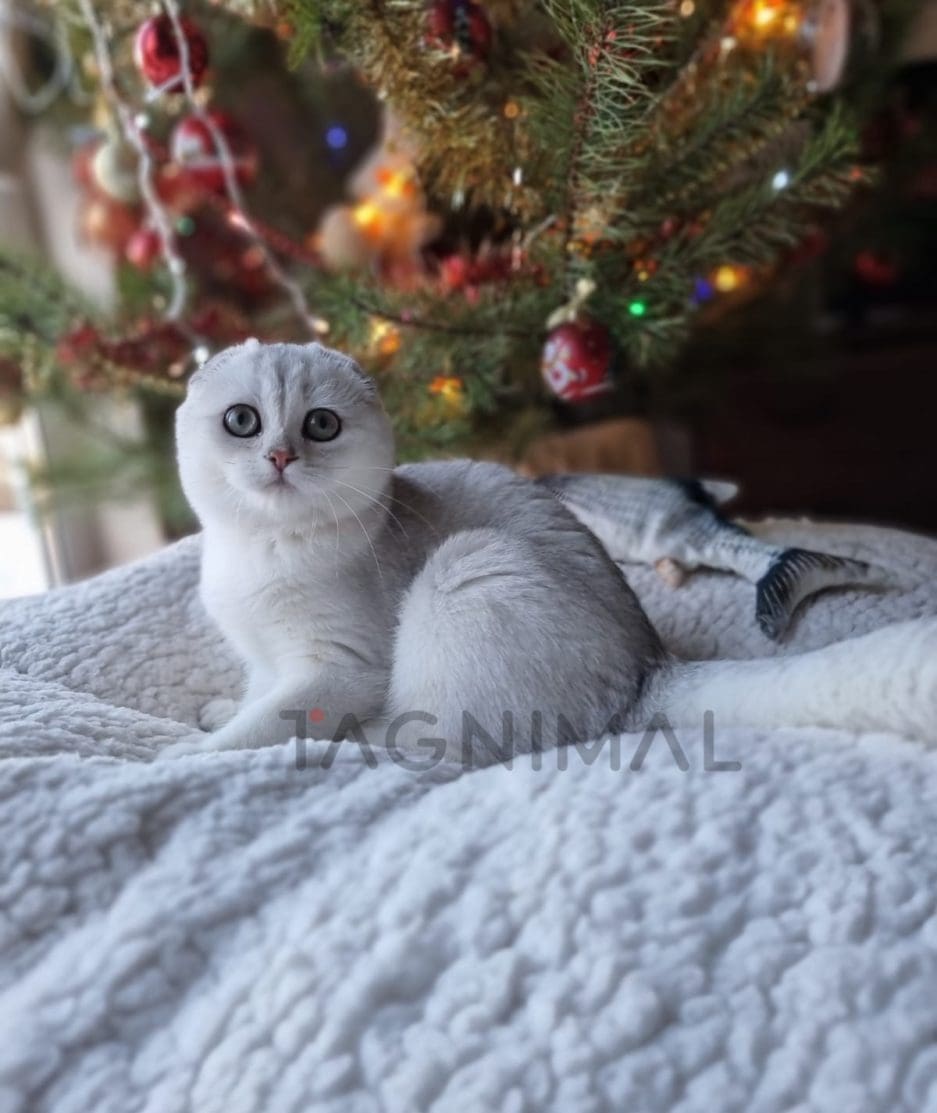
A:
(577, 358)
(193, 148)
(156, 53)
(459, 26)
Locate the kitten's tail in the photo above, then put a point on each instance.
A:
(886, 680)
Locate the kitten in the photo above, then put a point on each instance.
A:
(452, 600)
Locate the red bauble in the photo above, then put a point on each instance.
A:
(577, 359)
(193, 149)
(143, 248)
(156, 53)
(876, 268)
(460, 26)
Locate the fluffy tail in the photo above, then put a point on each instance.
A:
(884, 681)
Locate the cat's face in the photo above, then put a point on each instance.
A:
(282, 436)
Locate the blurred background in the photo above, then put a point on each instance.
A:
(690, 239)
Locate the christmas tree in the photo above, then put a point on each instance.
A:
(559, 194)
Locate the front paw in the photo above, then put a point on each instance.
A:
(217, 712)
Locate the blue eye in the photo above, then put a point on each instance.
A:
(321, 425)
(242, 421)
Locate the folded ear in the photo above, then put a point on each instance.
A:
(219, 359)
(339, 359)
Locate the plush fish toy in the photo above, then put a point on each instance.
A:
(677, 526)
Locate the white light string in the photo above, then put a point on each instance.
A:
(240, 217)
(157, 213)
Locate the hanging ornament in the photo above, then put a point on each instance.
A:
(113, 170)
(460, 27)
(143, 248)
(156, 53)
(577, 359)
(194, 149)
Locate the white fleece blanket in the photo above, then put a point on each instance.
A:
(229, 933)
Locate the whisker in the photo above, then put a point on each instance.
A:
(372, 499)
(338, 528)
(388, 495)
(367, 535)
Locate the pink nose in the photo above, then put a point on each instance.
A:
(280, 457)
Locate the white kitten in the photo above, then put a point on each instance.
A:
(451, 600)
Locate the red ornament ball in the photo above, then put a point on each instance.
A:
(157, 55)
(193, 148)
(459, 26)
(577, 359)
(143, 248)
(876, 268)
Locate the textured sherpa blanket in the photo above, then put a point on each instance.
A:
(231, 933)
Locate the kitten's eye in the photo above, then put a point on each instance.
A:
(321, 425)
(242, 421)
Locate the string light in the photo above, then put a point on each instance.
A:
(396, 184)
(449, 387)
(383, 337)
(702, 290)
(336, 137)
(780, 181)
(367, 216)
(728, 278)
(637, 308)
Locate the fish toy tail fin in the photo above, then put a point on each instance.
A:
(796, 574)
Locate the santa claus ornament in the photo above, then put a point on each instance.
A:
(194, 149)
(159, 59)
(577, 360)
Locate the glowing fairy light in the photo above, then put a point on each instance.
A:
(728, 278)
(336, 138)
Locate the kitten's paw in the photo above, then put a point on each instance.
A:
(217, 712)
